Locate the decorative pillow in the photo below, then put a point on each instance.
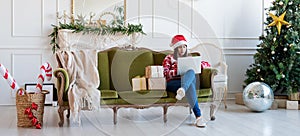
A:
(205, 64)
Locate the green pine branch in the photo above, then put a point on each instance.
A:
(103, 30)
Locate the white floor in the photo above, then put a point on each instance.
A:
(235, 120)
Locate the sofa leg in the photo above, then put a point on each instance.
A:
(68, 115)
(212, 112)
(225, 97)
(61, 116)
(165, 113)
(115, 109)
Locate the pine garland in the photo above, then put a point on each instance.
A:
(103, 30)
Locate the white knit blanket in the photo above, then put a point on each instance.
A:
(84, 80)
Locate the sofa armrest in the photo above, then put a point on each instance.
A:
(62, 84)
(207, 77)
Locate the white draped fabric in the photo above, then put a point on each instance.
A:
(84, 80)
(71, 41)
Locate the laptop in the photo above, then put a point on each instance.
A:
(186, 63)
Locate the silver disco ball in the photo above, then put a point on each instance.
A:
(258, 96)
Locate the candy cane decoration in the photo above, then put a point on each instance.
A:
(12, 82)
(46, 71)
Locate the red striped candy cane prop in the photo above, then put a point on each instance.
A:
(45, 72)
(12, 82)
(48, 71)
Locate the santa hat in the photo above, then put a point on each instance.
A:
(177, 40)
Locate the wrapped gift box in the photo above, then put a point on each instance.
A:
(292, 105)
(239, 98)
(157, 83)
(154, 71)
(139, 83)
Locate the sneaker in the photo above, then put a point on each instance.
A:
(180, 93)
(200, 122)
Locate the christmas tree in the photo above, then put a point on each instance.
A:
(277, 60)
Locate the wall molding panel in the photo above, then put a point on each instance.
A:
(165, 18)
(24, 45)
(239, 50)
(21, 14)
(25, 67)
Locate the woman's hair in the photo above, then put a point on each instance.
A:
(175, 56)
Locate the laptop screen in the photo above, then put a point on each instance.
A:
(186, 63)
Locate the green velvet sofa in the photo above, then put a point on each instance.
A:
(117, 66)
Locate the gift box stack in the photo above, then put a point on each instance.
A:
(154, 79)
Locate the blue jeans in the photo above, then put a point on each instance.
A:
(188, 83)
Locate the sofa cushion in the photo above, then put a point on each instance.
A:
(142, 59)
(108, 102)
(204, 92)
(111, 54)
(205, 78)
(120, 101)
(109, 94)
(124, 65)
(146, 101)
(158, 57)
(142, 94)
(104, 70)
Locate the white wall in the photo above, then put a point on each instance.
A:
(233, 25)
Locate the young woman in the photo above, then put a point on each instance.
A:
(184, 85)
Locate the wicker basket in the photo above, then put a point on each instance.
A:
(25, 101)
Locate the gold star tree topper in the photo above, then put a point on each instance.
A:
(278, 21)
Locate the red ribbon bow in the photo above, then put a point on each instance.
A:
(35, 122)
(27, 110)
(34, 106)
(30, 115)
(38, 126)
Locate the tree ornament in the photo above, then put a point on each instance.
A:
(273, 52)
(278, 21)
(262, 79)
(258, 96)
(280, 3)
